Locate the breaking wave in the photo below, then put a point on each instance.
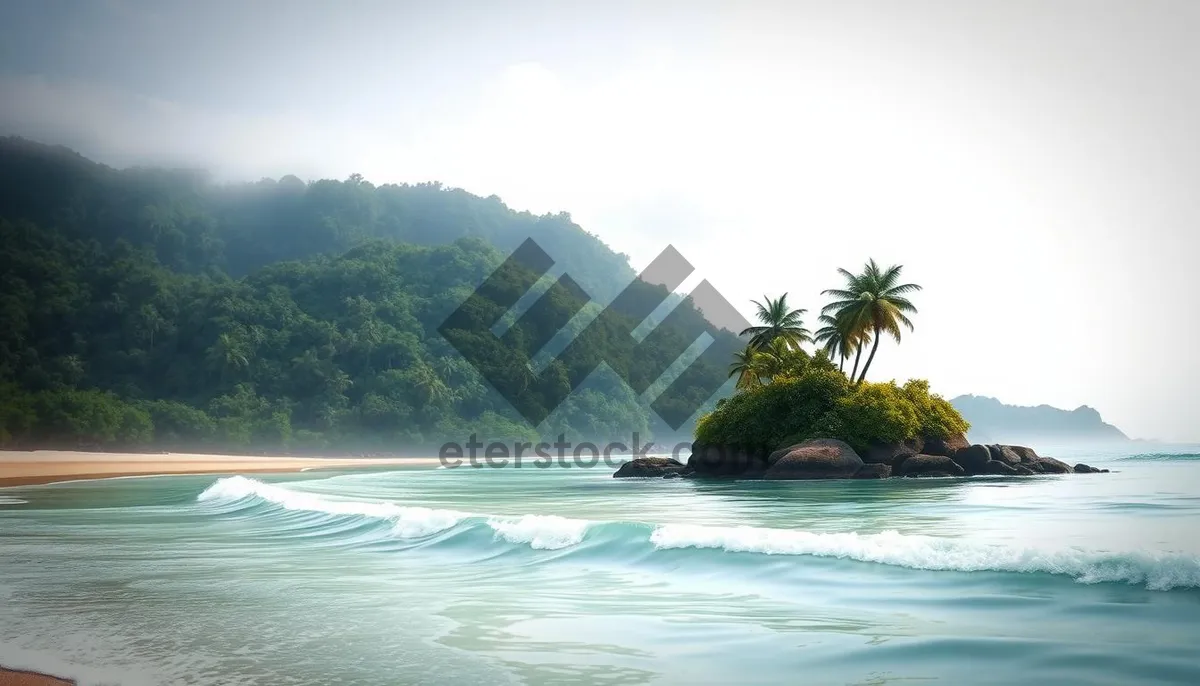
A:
(1161, 457)
(1155, 571)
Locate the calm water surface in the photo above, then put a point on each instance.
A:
(549, 576)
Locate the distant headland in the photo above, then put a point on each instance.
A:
(993, 421)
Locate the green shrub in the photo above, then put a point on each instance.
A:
(765, 416)
(877, 412)
(822, 403)
(938, 417)
(176, 424)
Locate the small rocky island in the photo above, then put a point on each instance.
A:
(827, 458)
(802, 415)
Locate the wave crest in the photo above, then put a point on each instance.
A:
(407, 522)
(1160, 457)
(541, 532)
(1158, 571)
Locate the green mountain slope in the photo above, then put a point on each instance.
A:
(151, 308)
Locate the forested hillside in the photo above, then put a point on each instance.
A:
(150, 308)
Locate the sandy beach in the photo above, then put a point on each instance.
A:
(25, 468)
(15, 677)
(46, 466)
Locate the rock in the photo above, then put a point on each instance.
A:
(726, 460)
(1082, 468)
(1005, 454)
(890, 453)
(921, 464)
(1052, 466)
(944, 447)
(874, 470)
(775, 455)
(1027, 455)
(822, 458)
(999, 468)
(673, 475)
(1024, 470)
(649, 467)
(972, 458)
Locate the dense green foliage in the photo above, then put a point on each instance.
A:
(786, 395)
(151, 308)
(823, 403)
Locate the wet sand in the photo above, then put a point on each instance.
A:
(47, 466)
(16, 677)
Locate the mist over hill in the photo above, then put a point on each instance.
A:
(995, 422)
(152, 308)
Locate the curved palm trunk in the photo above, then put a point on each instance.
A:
(874, 347)
(857, 357)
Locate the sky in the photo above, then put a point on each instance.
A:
(1033, 165)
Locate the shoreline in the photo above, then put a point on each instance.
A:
(41, 467)
(25, 677)
(35, 468)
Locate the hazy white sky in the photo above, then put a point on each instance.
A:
(1034, 165)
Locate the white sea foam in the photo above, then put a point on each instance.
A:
(1157, 570)
(10, 500)
(542, 532)
(408, 522)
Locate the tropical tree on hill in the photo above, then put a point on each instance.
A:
(778, 323)
(872, 303)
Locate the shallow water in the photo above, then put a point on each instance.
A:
(566, 575)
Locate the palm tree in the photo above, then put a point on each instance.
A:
(228, 353)
(744, 366)
(832, 340)
(774, 361)
(872, 304)
(778, 323)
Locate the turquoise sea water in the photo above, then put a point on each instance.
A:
(565, 575)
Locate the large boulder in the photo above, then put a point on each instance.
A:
(891, 453)
(1005, 454)
(931, 465)
(873, 470)
(1026, 455)
(726, 460)
(946, 447)
(649, 467)
(1049, 465)
(997, 468)
(821, 458)
(1024, 470)
(972, 458)
(1082, 468)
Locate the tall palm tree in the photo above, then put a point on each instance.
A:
(872, 303)
(778, 323)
